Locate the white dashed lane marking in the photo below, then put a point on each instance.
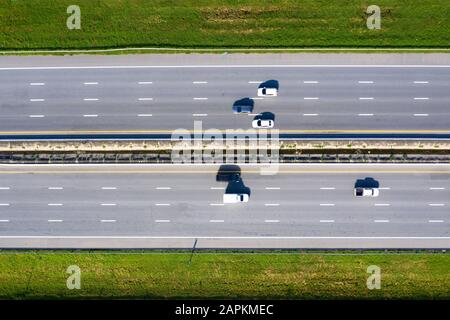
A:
(36, 116)
(145, 99)
(366, 98)
(365, 115)
(436, 204)
(273, 188)
(437, 188)
(200, 99)
(109, 188)
(55, 204)
(108, 204)
(145, 82)
(271, 221)
(327, 188)
(37, 100)
(421, 98)
(90, 115)
(216, 221)
(108, 221)
(421, 114)
(90, 83)
(162, 204)
(435, 221)
(310, 82)
(327, 204)
(55, 188)
(310, 114)
(381, 221)
(162, 221)
(4, 204)
(421, 82)
(326, 221)
(365, 82)
(145, 115)
(37, 84)
(55, 220)
(311, 98)
(272, 204)
(163, 188)
(4, 188)
(199, 82)
(216, 204)
(90, 99)
(381, 204)
(4, 220)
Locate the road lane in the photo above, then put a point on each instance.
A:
(181, 201)
(172, 96)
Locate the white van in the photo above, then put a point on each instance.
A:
(267, 92)
(235, 197)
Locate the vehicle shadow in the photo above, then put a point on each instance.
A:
(238, 187)
(265, 116)
(367, 182)
(270, 84)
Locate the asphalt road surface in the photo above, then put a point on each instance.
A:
(164, 206)
(157, 99)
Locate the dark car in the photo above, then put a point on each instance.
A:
(244, 105)
(242, 109)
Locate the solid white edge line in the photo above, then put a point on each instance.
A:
(230, 237)
(231, 66)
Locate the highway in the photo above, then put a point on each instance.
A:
(169, 206)
(151, 98)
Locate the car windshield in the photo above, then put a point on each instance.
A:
(359, 192)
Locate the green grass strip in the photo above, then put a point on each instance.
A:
(224, 275)
(41, 24)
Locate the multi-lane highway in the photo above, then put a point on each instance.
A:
(73, 97)
(172, 205)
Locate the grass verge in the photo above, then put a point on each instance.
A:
(41, 24)
(224, 275)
